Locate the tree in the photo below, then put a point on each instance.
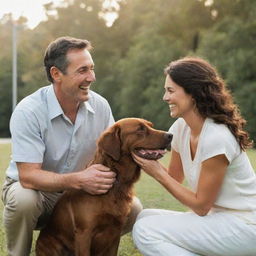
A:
(130, 56)
(230, 46)
(5, 75)
(153, 34)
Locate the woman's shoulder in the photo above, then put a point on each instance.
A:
(216, 131)
(180, 132)
(178, 125)
(218, 139)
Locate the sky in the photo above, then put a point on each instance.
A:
(32, 9)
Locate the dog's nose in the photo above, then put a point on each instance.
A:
(168, 136)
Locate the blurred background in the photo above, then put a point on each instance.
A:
(133, 42)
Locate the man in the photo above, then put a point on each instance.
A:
(54, 133)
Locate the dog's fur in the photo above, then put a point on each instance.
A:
(83, 224)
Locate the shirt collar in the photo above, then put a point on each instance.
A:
(89, 107)
(55, 108)
(86, 105)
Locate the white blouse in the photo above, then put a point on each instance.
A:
(238, 191)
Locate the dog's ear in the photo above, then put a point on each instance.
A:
(110, 142)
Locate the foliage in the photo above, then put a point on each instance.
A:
(131, 54)
(5, 79)
(230, 45)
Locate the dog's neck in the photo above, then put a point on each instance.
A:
(127, 171)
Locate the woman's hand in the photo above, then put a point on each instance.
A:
(151, 167)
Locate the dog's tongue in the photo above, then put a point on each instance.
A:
(155, 153)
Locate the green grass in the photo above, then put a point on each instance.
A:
(151, 194)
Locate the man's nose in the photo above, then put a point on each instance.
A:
(91, 76)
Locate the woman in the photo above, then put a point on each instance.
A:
(208, 149)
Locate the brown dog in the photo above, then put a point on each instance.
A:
(83, 224)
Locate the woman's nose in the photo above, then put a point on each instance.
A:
(165, 97)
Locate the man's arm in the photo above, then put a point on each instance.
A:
(96, 179)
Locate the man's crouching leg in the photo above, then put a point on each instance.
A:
(23, 209)
(136, 209)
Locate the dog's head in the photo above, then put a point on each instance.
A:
(134, 135)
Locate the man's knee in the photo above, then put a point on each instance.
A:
(136, 208)
(21, 200)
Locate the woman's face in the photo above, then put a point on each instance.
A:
(180, 103)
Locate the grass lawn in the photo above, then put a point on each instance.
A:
(148, 190)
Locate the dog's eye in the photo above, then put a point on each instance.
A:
(142, 128)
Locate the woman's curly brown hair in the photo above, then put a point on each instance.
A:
(199, 79)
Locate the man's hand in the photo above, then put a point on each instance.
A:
(96, 179)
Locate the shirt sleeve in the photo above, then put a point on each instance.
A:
(221, 142)
(111, 119)
(108, 116)
(27, 143)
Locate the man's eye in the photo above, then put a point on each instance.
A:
(82, 71)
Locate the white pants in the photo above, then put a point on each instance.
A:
(169, 233)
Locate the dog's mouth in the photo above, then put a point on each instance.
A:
(150, 154)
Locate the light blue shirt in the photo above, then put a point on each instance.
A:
(41, 133)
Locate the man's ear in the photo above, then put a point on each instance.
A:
(55, 73)
(110, 143)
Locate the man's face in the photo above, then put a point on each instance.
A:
(75, 84)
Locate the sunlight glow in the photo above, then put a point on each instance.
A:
(111, 8)
(33, 10)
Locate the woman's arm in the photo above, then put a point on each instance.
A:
(212, 174)
(175, 168)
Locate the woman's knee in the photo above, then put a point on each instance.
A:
(154, 225)
(148, 212)
(142, 231)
